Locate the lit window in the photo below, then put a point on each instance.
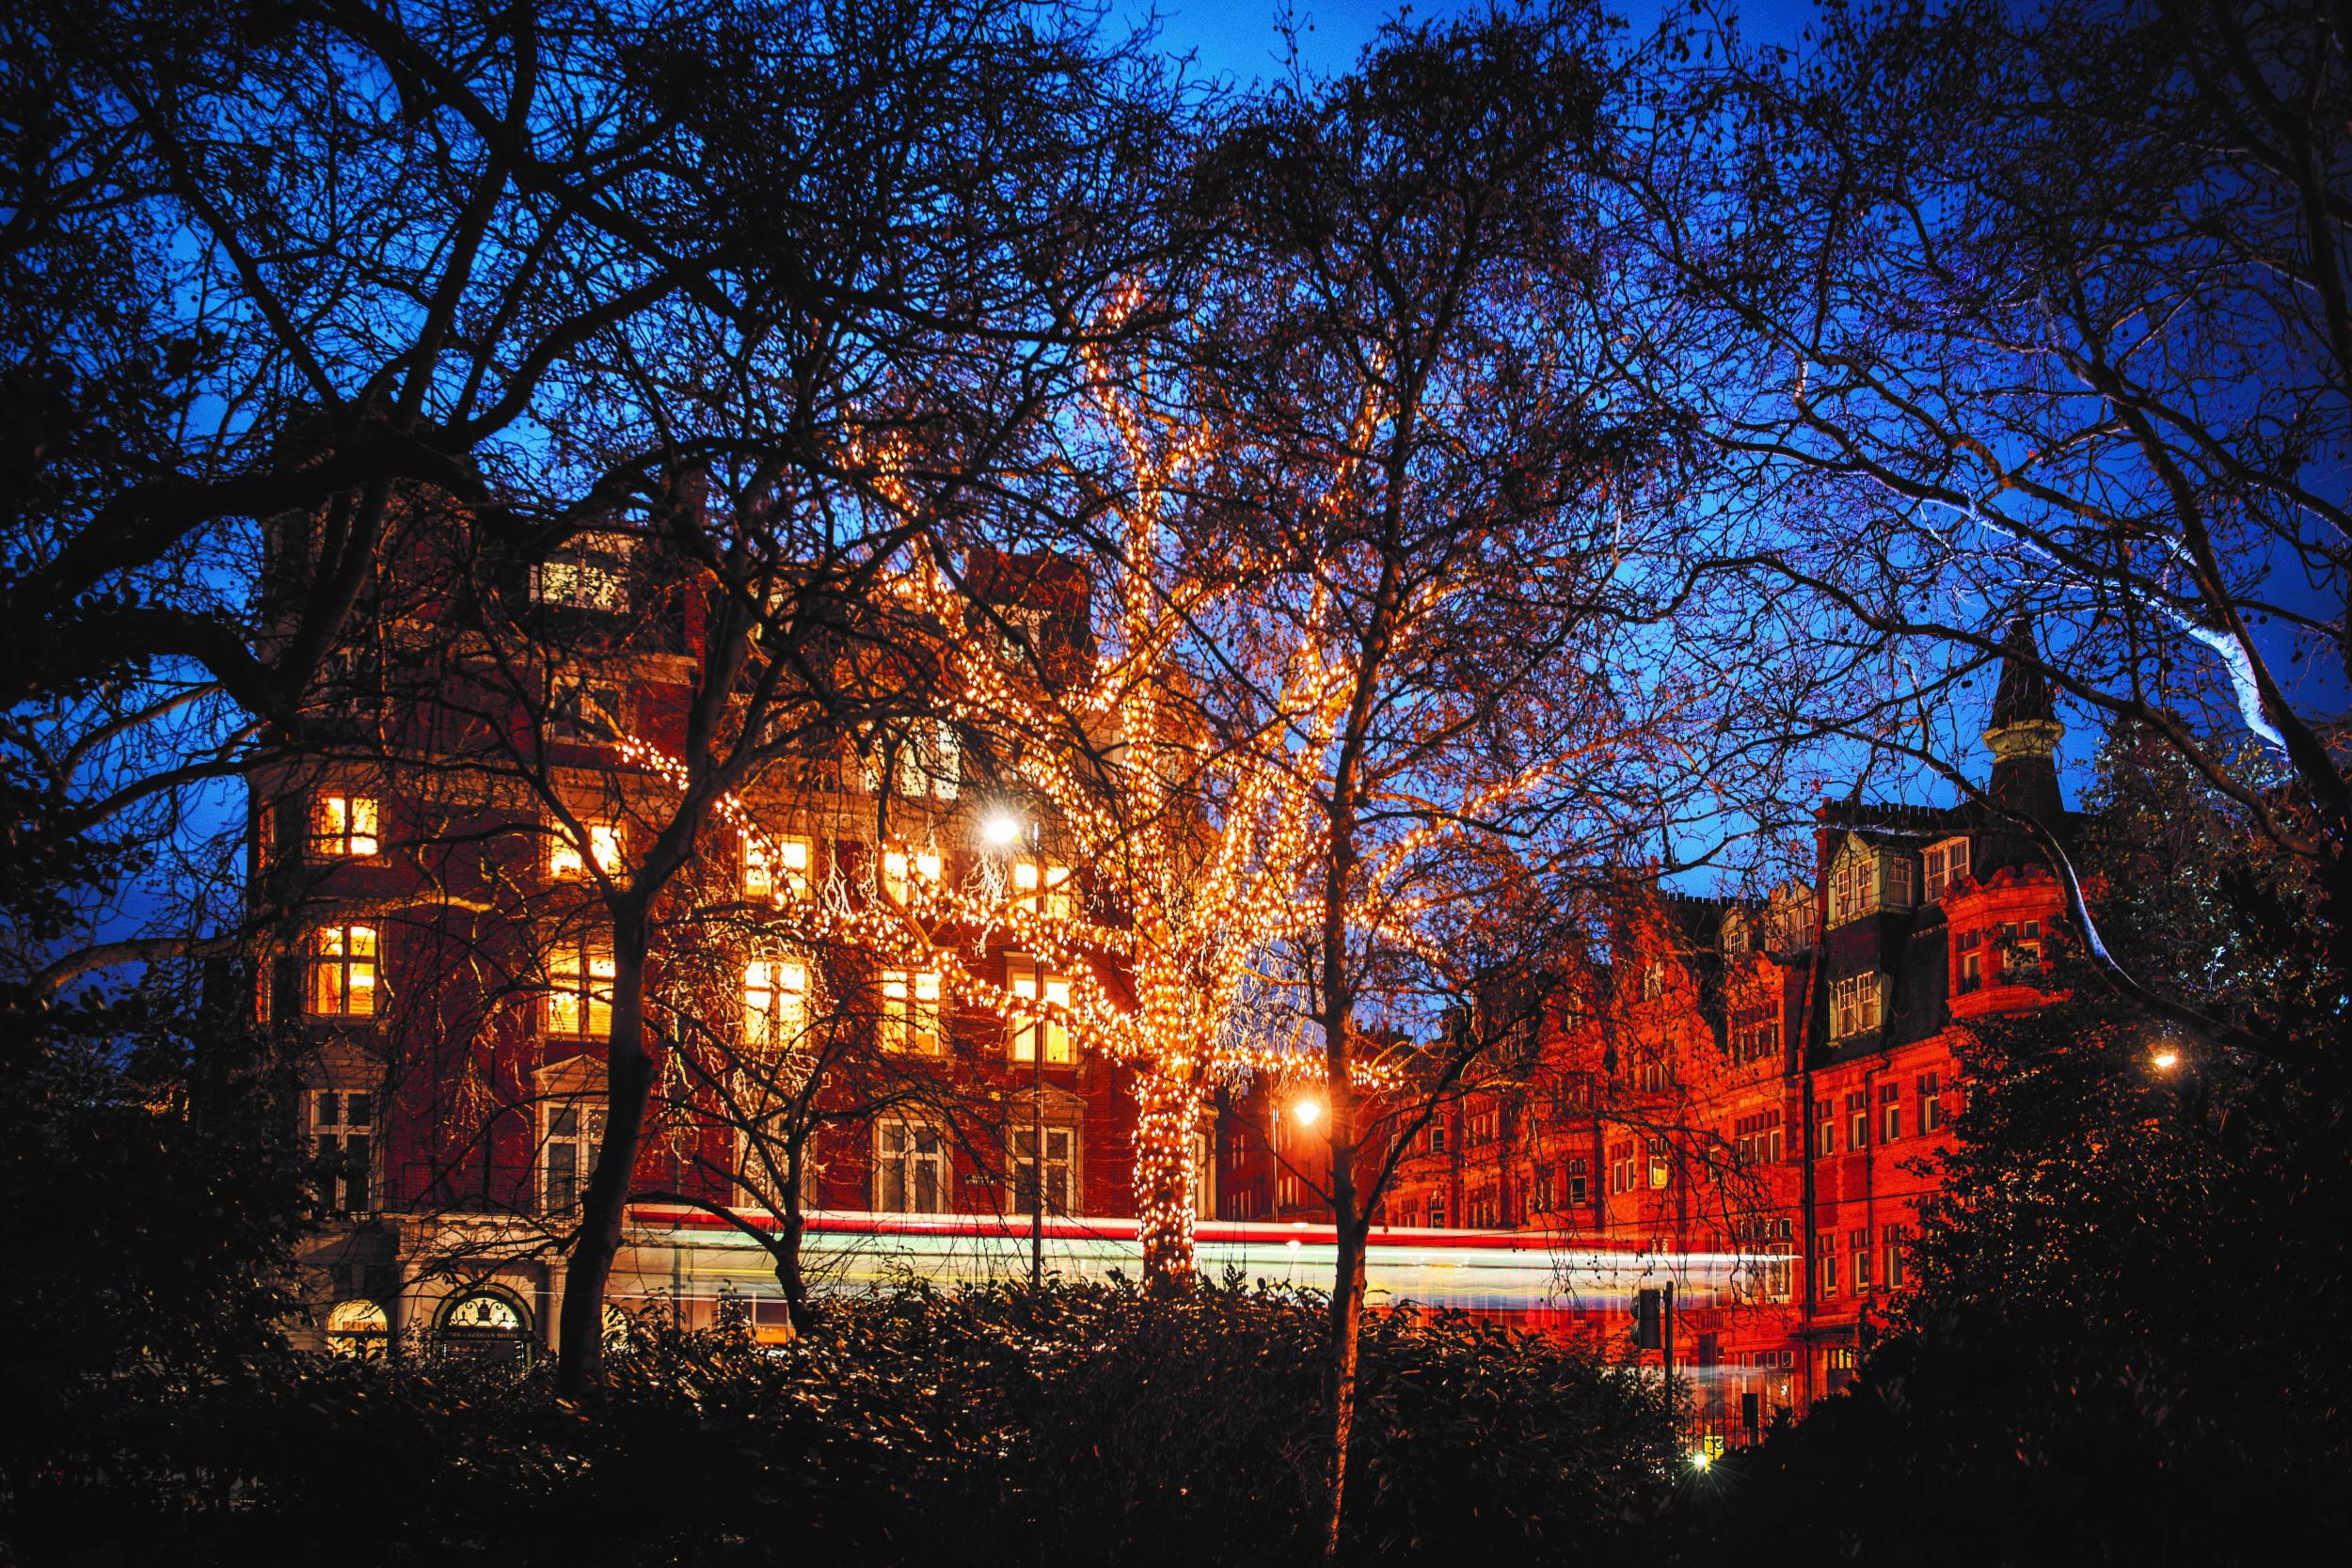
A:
(343, 1141)
(344, 971)
(357, 1329)
(572, 1128)
(604, 844)
(1028, 875)
(910, 1169)
(1661, 1168)
(924, 761)
(910, 1011)
(1653, 982)
(897, 864)
(775, 1002)
(580, 990)
(345, 827)
(1030, 983)
(590, 575)
(775, 868)
(1898, 881)
(1060, 1163)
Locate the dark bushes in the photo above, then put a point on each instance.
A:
(1086, 1421)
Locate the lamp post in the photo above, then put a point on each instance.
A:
(1003, 832)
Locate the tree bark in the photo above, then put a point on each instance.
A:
(1344, 1347)
(629, 1088)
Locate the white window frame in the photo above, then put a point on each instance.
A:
(1946, 862)
(1854, 885)
(1062, 1165)
(570, 1128)
(1857, 1003)
(903, 1149)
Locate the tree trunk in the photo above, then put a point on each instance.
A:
(1168, 1112)
(789, 1275)
(1342, 1347)
(629, 1086)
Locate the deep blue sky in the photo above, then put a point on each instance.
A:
(1237, 38)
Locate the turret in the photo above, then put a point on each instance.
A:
(2025, 732)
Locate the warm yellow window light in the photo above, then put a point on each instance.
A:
(346, 825)
(604, 843)
(910, 1012)
(580, 991)
(775, 868)
(344, 971)
(775, 1001)
(897, 864)
(1026, 879)
(1027, 983)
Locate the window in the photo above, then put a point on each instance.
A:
(1661, 1168)
(775, 1002)
(1858, 1120)
(899, 863)
(1898, 881)
(1971, 971)
(1946, 863)
(1858, 1254)
(1826, 1261)
(344, 961)
(1754, 1034)
(589, 575)
(580, 989)
(1853, 1003)
(775, 868)
(1825, 1127)
(1653, 982)
(1790, 919)
(1437, 1135)
(343, 1141)
(1756, 1138)
(1653, 1075)
(909, 1168)
(604, 844)
(1030, 983)
(1437, 1211)
(1890, 1111)
(357, 1329)
(1579, 1187)
(1061, 1162)
(343, 827)
(1930, 1102)
(1030, 875)
(574, 1125)
(928, 761)
(1853, 886)
(1620, 1169)
(1893, 1236)
(586, 713)
(910, 1011)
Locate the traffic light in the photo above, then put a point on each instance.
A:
(1649, 1318)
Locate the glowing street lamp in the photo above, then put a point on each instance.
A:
(1001, 831)
(2165, 1059)
(1308, 1112)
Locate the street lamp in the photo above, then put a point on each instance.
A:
(2165, 1058)
(1001, 831)
(1309, 1112)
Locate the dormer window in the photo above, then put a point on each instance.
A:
(590, 574)
(1735, 933)
(1946, 863)
(1852, 886)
